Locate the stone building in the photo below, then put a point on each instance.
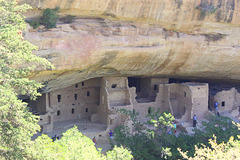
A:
(97, 100)
(228, 103)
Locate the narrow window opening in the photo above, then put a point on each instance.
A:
(73, 110)
(155, 87)
(149, 110)
(59, 97)
(76, 85)
(82, 83)
(58, 113)
(111, 121)
(185, 94)
(88, 93)
(223, 103)
(75, 97)
(114, 85)
(86, 109)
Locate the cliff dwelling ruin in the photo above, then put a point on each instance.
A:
(92, 105)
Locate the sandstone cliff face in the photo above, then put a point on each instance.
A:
(164, 38)
(180, 15)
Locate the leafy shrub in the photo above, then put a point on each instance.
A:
(222, 151)
(221, 127)
(147, 144)
(73, 145)
(119, 153)
(34, 23)
(50, 17)
(157, 143)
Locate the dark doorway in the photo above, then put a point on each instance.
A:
(135, 82)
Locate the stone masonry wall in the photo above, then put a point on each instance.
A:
(199, 99)
(228, 100)
(77, 101)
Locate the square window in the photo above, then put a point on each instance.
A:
(223, 103)
(59, 97)
(149, 110)
(82, 83)
(88, 93)
(76, 85)
(58, 113)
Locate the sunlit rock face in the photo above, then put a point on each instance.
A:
(180, 15)
(158, 38)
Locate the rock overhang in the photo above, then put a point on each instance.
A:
(144, 43)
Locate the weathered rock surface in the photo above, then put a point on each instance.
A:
(180, 15)
(164, 38)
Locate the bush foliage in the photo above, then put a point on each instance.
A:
(48, 19)
(159, 142)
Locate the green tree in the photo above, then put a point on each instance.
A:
(50, 17)
(157, 143)
(222, 151)
(220, 127)
(17, 125)
(119, 153)
(146, 143)
(73, 145)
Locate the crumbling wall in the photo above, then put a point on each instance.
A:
(228, 100)
(118, 93)
(149, 87)
(118, 98)
(180, 99)
(156, 91)
(145, 88)
(154, 85)
(187, 99)
(38, 106)
(143, 108)
(46, 123)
